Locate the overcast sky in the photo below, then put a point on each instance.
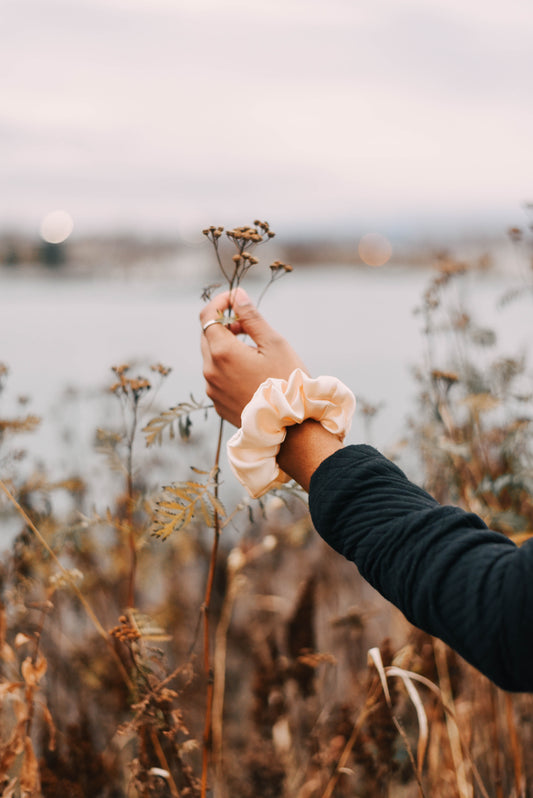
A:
(353, 115)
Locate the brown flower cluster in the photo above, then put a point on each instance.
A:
(241, 235)
(213, 232)
(515, 234)
(255, 234)
(160, 369)
(279, 267)
(128, 386)
(245, 259)
(125, 632)
(445, 376)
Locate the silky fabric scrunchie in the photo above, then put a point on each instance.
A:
(276, 405)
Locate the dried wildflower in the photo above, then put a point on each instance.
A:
(139, 385)
(278, 266)
(461, 321)
(213, 232)
(160, 369)
(26, 424)
(125, 632)
(448, 377)
(129, 387)
(452, 267)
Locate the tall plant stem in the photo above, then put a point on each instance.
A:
(516, 751)
(87, 607)
(206, 606)
(464, 788)
(129, 513)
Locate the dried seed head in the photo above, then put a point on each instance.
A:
(163, 370)
(140, 384)
(279, 266)
(515, 234)
(448, 377)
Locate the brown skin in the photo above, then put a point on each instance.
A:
(233, 371)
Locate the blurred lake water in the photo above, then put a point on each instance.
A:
(60, 334)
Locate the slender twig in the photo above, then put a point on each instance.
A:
(219, 674)
(343, 759)
(514, 744)
(129, 509)
(219, 259)
(265, 289)
(163, 761)
(464, 788)
(30, 689)
(205, 608)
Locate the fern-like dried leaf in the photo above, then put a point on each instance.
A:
(169, 418)
(182, 502)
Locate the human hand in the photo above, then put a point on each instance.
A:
(233, 370)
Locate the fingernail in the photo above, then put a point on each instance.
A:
(241, 298)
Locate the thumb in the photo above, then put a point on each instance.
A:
(252, 322)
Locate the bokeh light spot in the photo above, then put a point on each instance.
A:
(56, 227)
(374, 249)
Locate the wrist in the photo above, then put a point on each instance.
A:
(305, 447)
(275, 408)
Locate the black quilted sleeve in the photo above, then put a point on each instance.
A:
(445, 570)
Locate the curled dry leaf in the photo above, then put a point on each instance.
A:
(33, 672)
(29, 774)
(7, 654)
(9, 790)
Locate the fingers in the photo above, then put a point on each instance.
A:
(220, 303)
(249, 319)
(252, 323)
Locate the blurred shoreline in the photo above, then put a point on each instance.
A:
(127, 254)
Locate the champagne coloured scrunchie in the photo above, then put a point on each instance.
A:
(276, 405)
